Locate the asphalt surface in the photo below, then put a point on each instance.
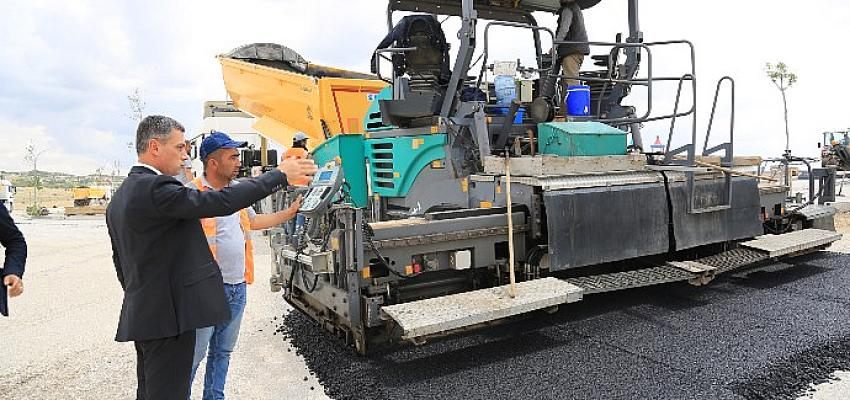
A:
(760, 335)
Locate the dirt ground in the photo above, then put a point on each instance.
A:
(58, 342)
(47, 197)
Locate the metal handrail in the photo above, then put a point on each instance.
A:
(667, 154)
(486, 51)
(727, 147)
(705, 150)
(643, 81)
(380, 54)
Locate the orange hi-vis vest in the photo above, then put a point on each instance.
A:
(209, 225)
(297, 153)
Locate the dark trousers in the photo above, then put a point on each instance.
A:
(164, 367)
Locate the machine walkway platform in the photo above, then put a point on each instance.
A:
(446, 313)
(422, 318)
(788, 243)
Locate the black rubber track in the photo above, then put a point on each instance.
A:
(762, 335)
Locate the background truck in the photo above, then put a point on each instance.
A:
(85, 196)
(89, 200)
(7, 194)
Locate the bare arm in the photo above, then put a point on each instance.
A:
(263, 221)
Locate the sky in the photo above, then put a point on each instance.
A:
(68, 66)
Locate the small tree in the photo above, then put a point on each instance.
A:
(114, 171)
(783, 79)
(137, 109)
(31, 158)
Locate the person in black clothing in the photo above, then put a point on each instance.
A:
(16, 258)
(172, 284)
(571, 29)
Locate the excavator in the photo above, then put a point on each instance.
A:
(437, 210)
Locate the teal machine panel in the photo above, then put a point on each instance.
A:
(581, 139)
(395, 162)
(373, 121)
(349, 148)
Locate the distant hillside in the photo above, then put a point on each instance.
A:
(58, 180)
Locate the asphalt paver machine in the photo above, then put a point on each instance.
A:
(448, 211)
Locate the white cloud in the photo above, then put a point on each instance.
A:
(53, 156)
(69, 65)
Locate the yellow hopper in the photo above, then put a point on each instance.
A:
(287, 94)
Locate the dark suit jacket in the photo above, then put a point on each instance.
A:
(171, 282)
(16, 254)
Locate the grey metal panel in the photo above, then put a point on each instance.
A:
(741, 221)
(482, 248)
(432, 187)
(598, 225)
(814, 211)
(597, 180)
(769, 199)
(417, 227)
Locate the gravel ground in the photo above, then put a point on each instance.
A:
(59, 340)
(765, 335)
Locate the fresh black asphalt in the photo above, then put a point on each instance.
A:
(766, 334)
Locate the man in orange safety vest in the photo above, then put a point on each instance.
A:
(229, 238)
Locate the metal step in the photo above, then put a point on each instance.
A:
(631, 279)
(793, 242)
(441, 314)
(733, 259)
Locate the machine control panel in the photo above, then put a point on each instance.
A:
(324, 187)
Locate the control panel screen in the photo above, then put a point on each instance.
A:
(325, 175)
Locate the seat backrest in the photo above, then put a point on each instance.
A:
(427, 60)
(418, 96)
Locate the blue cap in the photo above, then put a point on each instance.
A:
(218, 140)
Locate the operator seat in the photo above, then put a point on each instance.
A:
(420, 75)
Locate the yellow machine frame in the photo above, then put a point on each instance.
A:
(286, 102)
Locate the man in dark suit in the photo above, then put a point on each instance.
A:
(16, 257)
(172, 285)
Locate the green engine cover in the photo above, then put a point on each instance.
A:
(395, 162)
(349, 148)
(580, 139)
(373, 121)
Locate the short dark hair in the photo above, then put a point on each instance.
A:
(155, 127)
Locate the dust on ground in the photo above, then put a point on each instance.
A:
(59, 339)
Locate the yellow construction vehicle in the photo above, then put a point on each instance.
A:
(85, 196)
(89, 200)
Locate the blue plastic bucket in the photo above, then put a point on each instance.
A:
(504, 111)
(505, 89)
(578, 100)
